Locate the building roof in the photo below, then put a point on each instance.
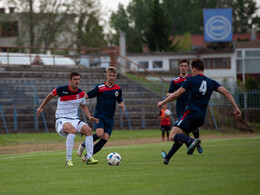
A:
(198, 40)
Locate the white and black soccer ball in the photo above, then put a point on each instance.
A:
(113, 159)
(167, 113)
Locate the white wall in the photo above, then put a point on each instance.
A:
(229, 75)
(217, 74)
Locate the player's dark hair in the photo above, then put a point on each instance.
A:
(198, 63)
(184, 60)
(73, 74)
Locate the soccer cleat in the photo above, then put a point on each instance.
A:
(80, 150)
(91, 161)
(84, 158)
(193, 145)
(200, 149)
(69, 163)
(163, 155)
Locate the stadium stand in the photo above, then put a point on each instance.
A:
(22, 86)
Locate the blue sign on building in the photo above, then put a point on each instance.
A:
(218, 25)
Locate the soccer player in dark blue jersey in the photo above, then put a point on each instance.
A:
(108, 94)
(182, 101)
(200, 88)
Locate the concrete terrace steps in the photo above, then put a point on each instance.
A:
(17, 92)
(49, 71)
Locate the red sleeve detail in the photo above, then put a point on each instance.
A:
(54, 92)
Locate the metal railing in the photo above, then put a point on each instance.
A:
(218, 113)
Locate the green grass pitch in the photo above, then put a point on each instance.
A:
(227, 166)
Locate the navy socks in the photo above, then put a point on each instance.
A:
(95, 137)
(99, 145)
(183, 138)
(196, 133)
(176, 146)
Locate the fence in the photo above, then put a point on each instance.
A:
(17, 97)
(219, 110)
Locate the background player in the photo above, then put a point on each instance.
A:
(201, 88)
(107, 94)
(165, 122)
(182, 101)
(67, 121)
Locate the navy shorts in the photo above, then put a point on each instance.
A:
(105, 123)
(165, 127)
(189, 121)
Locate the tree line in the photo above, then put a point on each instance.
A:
(145, 22)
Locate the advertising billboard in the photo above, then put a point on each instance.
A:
(218, 25)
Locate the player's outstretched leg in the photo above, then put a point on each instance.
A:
(69, 148)
(69, 163)
(91, 160)
(193, 145)
(80, 150)
(97, 148)
(166, 157)
(196, 134)
(89, 149)
(163, 155)
(200, 149)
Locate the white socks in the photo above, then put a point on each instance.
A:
(69, 145)
(89, 145)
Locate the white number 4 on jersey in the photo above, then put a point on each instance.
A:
(203, 87)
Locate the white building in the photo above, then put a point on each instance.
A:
(219, 65)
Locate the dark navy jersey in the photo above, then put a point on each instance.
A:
(106, 99)
(200, 88)
(181, 101)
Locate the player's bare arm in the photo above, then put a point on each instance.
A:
(45, 101)
(227, 94)
(122, 106)
(172, 96)
(87, 113)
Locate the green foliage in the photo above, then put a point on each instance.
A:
(240, 84)
(186, 15)
(250, 83)
(90, 33)
(185, 44)
(54, 23)
(132, 22)
(221, 169)
(158, 32)
(244, 17)
(180, 16)
(119, 20)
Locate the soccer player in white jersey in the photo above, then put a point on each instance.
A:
(70, 97)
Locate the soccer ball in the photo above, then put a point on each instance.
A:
(167, 113)
(114, 159)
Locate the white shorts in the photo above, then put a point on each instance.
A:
(76, 123)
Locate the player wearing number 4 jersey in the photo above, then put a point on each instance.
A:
(200, 88)
(182, 101)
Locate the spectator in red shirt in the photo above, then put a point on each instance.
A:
(165, 122)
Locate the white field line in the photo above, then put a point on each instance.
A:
(125, 147)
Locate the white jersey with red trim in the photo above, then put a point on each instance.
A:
(68, 102)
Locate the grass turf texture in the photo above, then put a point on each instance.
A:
(30, 138)
(227, 166)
